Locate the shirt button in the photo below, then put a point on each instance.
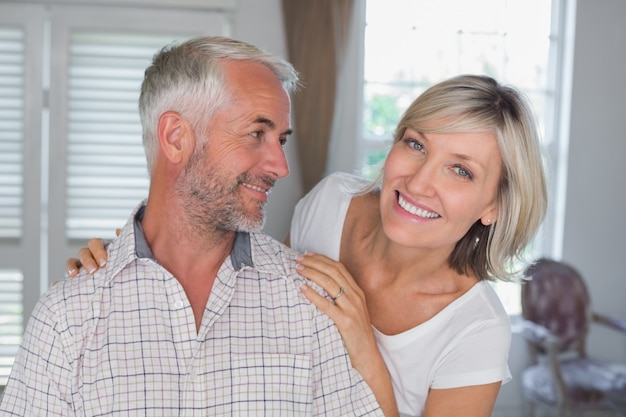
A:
(178, 304)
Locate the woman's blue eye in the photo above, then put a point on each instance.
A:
(414, 144)
(463, 172)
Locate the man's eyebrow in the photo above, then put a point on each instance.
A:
(269, 123)
(265, 121)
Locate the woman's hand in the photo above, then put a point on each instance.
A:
(93, 257)
(348, 310)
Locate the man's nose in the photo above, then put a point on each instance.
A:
(276, 161)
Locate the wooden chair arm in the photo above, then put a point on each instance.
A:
(549, 344)
(538, 335)
(614, 322)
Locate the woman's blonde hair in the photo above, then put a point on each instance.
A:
(472, 103)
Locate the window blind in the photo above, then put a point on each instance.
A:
(71, 154)
(106, 171)
(11, 131)
(11, 321)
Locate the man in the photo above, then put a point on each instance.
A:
(196, 313)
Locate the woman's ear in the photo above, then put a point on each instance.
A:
(176, 138)
(489, 217)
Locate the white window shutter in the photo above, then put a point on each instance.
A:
(11, 321)
(106, 168)
(97, 169)
(72, 163)
(11, 131)
(11, 189)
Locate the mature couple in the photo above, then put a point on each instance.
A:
(382, 306)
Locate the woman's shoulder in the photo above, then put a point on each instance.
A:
(318, 218)
(343, 182)
(336, 189)
(491, 300)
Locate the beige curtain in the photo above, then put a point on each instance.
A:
(316, 33)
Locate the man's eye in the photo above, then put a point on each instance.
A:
(257, 133)
(282, 141)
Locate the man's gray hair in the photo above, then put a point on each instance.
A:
(187, 78)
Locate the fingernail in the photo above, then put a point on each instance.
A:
(91, 269)
(299, 267)
(299, 257)
(70, 272)
(102, 262)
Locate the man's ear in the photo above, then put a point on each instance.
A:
(176, 137)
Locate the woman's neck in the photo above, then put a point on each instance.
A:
(366, 247)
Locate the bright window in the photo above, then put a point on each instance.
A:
(412, 44)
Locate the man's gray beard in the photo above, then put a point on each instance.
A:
(213, 208)
(234, 220)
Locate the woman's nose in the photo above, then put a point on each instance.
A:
(424, 179)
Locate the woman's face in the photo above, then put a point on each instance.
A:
(437, 185)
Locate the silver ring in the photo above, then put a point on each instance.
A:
(339, 294)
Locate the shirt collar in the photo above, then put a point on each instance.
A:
(240, 255)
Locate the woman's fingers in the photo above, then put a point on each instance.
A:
(348, 308)
(348, 305)
(92, 257)
(320, 302)
(87, 260)
(98, 253)
(342, 312)
(328, 274)
(72, 265)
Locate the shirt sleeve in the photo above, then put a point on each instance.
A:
(339, 390)
(471, 361)
(319, 216)
(40, 380)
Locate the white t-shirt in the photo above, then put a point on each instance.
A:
(467, 343)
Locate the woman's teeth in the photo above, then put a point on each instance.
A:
(416, 210)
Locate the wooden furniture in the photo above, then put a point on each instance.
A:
(557, 314)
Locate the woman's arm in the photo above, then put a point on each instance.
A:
(348, 310)
(472, 401)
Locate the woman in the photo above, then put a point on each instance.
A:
(407, 260)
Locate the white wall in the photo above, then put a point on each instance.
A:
(595, 221)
